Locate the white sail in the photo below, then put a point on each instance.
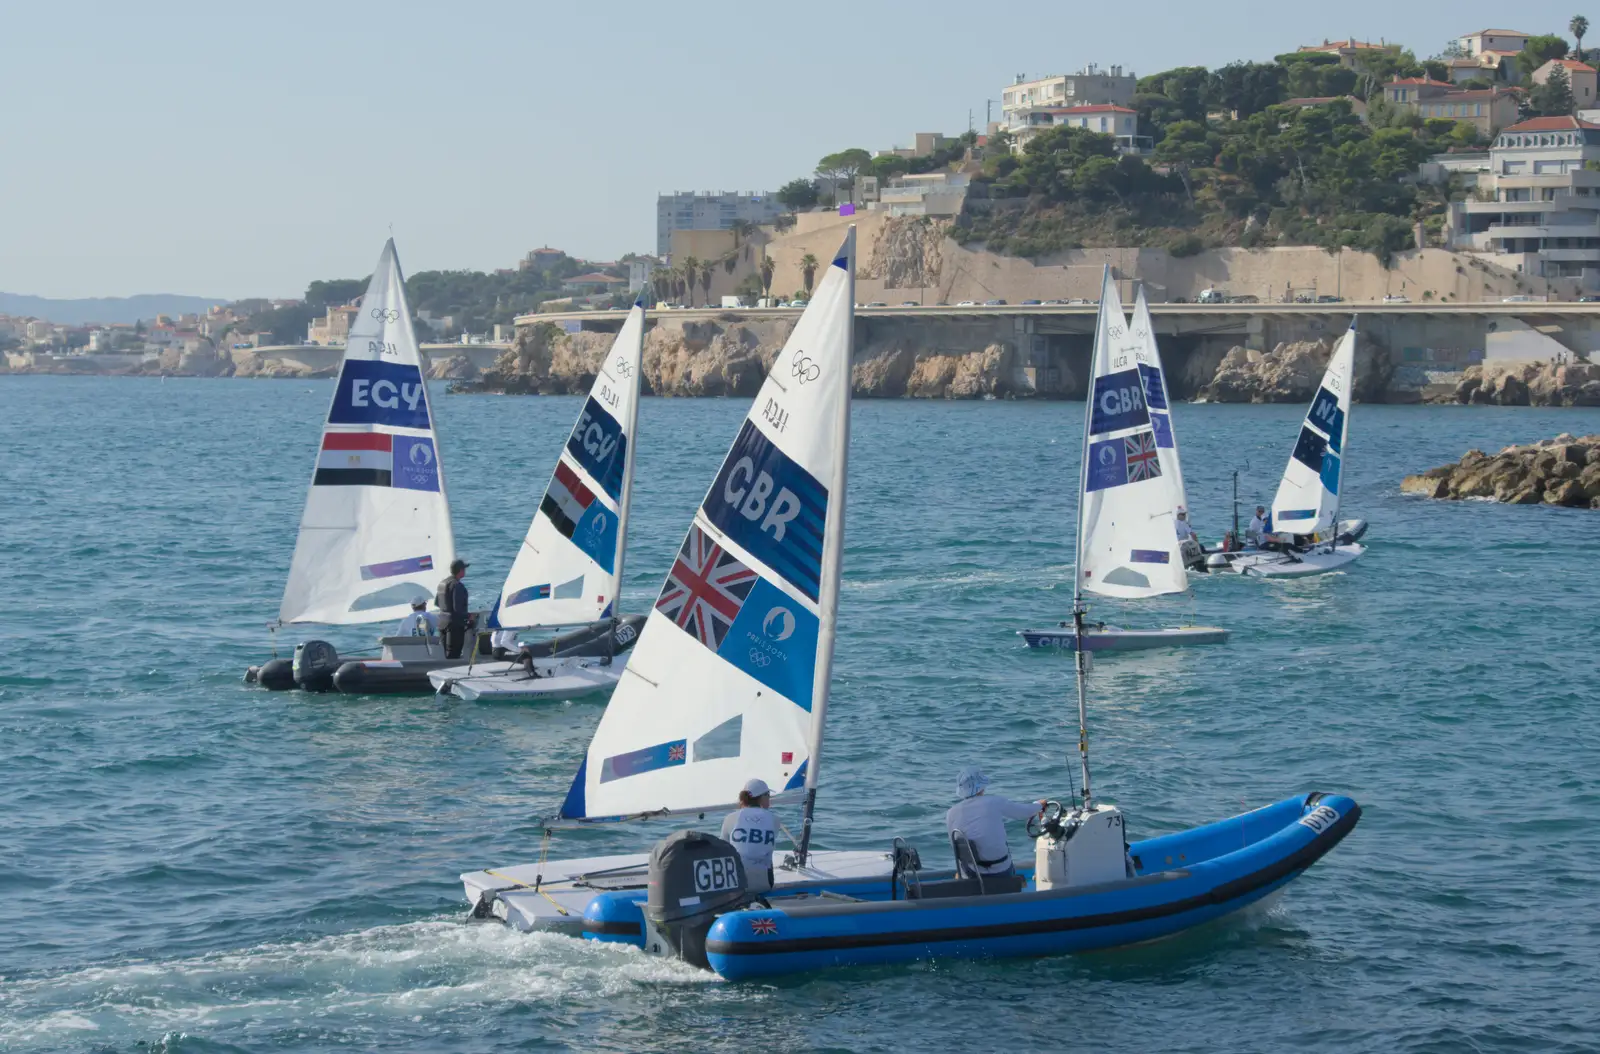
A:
(1155, 397)
(376, 532)
(1127, 532)
(1308, 498)
(569, 569)
(729, 678)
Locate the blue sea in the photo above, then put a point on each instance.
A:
(190, 864)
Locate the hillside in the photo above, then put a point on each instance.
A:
(105, 309)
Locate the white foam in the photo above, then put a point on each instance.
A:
(406, 971)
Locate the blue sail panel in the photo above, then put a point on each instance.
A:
(774, 509)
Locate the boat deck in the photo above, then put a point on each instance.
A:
(567, 886)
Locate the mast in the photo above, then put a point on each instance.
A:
(625, 505)
(1344, 435)
(833, 554)
(1077, 570)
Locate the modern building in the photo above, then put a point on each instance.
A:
(1487, 110)
(690, 211)
(541, 259)
(923, 144)
(1119, 121)
(595, 284)
(1541, 213)
(1350, 52)
(925, 194)
(1580, 75)
(1090, 86)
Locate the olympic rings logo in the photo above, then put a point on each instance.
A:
(623, 368)
(386, 314)
(759, 658)
(805, 369)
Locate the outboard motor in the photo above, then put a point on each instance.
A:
(314, 664)
(694, 877)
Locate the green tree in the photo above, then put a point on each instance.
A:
(335, 292)
(843, 167)
(1539, 50)
(767, 267)
(1578, 27)
(705, 284)
(808, 272)
(1247, 88)
(691, 274)
(798, 194)
(889, 165)
(1186, 86)
(1188, 145)
(1553, 98)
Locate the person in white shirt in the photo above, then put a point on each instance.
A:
(753, 830)
(1185, 532)
(982, 817)
(1258, 526)
(420, 623)
(504, 644)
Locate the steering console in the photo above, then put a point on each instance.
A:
(1048, 822)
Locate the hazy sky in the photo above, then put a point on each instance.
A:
(232, 149)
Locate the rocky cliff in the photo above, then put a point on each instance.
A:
(1560, 471)
(1290, 373)
(1530, 384)
(731, 357)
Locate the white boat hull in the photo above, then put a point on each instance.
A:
(1114, 638)
(1318, 561)
(505, 682)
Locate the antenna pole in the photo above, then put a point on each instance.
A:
(1077, 570)
(1236, 506)
(832, 550)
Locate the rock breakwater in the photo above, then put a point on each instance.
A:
(1560, 471)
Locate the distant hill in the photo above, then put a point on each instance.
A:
(105, 308)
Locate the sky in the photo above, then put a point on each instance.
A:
(233, 150)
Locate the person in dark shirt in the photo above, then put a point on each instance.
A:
(455, 617)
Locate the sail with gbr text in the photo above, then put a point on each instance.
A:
(1127, 534)
(1307, 501)
(375, 534)
(729, 678)
(569, 569)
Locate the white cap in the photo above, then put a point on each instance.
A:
(756, 788)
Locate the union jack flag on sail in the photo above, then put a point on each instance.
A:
(1143, 460)
(705, 589)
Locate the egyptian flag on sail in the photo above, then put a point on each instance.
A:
(566, 500)
(355, 459)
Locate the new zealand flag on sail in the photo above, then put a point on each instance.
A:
(1130, 459)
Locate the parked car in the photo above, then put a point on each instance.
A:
(994, 303)
(1056, 303)
(1397, 300)
(1330, 299)
(967, 303)
(877, 303)
(1032, 303)
(1518, 299)
(909, 303)
(1589, 300)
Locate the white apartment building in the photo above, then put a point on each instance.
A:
(705, 211)
(1090, 86)
(1542, 213)
(1119, 121)
(924, 194)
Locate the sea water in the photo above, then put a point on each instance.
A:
(188, 863)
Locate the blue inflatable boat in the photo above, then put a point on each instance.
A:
(1172, 883)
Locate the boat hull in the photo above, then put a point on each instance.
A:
(1112, 638)
(1162, 899)
(1303, 565)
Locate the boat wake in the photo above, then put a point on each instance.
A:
(374, 979)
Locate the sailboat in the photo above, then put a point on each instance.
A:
(375, 534)
(740, 687)
(1129, 497)
(1160, 406)
(1305, 511)
(569, 568)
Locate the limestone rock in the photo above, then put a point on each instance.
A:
(455, 368)
(1560, 471)
(1530, 384)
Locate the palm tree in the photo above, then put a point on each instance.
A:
(767, 267)
(1578, 26)
(730, 261)
(691, 271)
(678, 285)
(808, 271)
(705, 284)
(740, 229)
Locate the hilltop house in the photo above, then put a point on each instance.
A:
(1487, 110)
(1349, 51)
(1119, 121)
(1542, 216)
(1488, 53)
(1580, 75)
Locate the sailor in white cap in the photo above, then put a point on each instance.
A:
(753, 830)
(981, 817)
